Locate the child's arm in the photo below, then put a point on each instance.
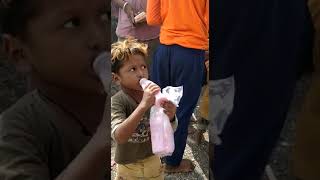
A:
(124, 130)
(128, 126)
(154, 12)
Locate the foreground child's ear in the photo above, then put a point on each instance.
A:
(115, 78)
(16, 53)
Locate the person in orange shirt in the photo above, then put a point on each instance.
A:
(179, 61)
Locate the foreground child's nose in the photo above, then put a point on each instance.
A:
(97, 38)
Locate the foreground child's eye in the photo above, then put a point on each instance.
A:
(132, 69)
(74, 22)
(143, 66)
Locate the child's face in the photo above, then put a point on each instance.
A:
(65, 38)
(134, 69)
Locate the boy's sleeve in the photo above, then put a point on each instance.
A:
(154, 13)
(20, 152)
(118, 114)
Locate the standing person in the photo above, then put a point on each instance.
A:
(127, 26)
(56, 131)
(262, 46)
(179, 61)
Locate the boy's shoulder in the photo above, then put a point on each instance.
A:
(23, 107)
(122, 98)
(29, 113)
(119, 94)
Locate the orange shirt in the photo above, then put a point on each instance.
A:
(183, 22)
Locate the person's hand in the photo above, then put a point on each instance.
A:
(140, 18)
(130, 13)
(169, 109)
(149, 93)
(207, 64)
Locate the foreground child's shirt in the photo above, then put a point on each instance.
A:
(38, 139)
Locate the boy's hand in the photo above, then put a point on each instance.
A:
(148, 98)
(169, 109)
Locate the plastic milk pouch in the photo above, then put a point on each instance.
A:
(162, 137)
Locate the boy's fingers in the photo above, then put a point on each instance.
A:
(148, 86)
(154, 89)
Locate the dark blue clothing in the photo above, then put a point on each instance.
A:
(264, 44)
(174, 65)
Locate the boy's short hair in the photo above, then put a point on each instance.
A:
(15, 14)
(121, 50)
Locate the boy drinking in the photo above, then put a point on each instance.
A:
(130, 110)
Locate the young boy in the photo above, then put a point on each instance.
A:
(55, 131)
(130, 109)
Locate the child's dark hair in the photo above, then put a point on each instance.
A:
(121, 50)
(14, 16)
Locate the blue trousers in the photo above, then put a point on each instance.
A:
(174, 65)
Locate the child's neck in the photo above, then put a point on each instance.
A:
(87, 108)
(136, 95)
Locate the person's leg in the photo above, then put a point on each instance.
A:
(178, 66)
(160, 67)
(202, 122)
(262, 97)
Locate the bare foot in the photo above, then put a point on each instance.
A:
(185, 166)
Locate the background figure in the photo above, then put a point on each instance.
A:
(263, 45)
(307, 148)
(125, 11)
(202, 123)
(179, 61)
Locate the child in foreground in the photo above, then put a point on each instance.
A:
(56, 131)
